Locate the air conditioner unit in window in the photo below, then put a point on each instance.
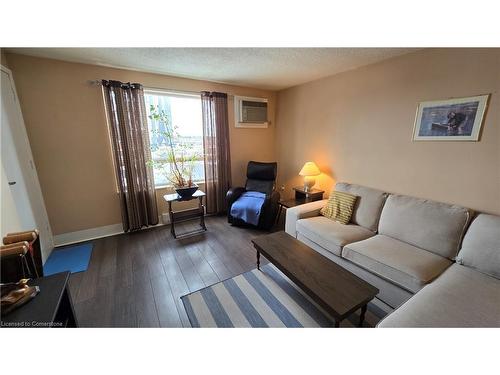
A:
(250, 112)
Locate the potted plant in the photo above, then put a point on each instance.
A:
(178, 161)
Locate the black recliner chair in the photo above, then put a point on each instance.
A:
(261, 177)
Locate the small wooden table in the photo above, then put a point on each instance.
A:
(311, 195)
(185, 215)
(335, 289)
(52, 307)
(301, 197)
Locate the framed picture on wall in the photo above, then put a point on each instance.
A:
(458, 119)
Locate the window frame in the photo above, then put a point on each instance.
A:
(175, 94)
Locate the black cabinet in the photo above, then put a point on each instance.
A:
(52, 307)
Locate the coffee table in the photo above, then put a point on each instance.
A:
(336, 290)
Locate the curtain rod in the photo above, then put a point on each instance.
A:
(98, 82)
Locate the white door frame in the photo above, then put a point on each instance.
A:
(31, 177)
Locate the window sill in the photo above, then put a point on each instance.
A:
(159, 187)
(162, 187)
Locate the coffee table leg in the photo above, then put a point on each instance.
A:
(362, 316)
(258, 259)
(337, 323)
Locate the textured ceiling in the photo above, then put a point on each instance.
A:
(266, 68)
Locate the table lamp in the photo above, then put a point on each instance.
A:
(309, 170)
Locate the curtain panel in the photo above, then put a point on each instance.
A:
(216, 148)
(127, 120)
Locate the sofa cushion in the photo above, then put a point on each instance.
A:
(302, 211)
(432, 226)
(331, 235)
(403, 264)
(460, 297)
(368, 205)
(481, 245)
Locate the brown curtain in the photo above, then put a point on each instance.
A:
(129, 136)
(216, 148)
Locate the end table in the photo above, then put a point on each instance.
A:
(185, 215)
(309, 196)
(301, 197)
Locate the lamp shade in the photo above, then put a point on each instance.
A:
(309, 169)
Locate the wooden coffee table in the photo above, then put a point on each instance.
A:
(335, 289)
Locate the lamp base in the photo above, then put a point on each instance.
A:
(309, 182)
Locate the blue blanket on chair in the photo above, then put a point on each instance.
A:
(247, 207)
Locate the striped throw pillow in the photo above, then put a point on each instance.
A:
(339, 207)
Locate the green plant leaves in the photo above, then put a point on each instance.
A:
(178, 164)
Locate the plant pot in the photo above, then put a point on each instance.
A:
(186, 192)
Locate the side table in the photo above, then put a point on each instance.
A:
(301, 197)
(185, 215)
(52, 307)
(309, 196)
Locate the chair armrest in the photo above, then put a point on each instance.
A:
(232, 195)
(274, 197)
(301, 212)
(269, 210)
(36, 231)
(271, 200)
(19, 248)
(21, 236)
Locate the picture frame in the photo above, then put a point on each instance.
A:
(456, 119)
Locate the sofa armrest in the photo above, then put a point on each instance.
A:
(301, 212)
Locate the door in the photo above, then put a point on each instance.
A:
(22, 205)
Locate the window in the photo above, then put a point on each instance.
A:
(184, 112)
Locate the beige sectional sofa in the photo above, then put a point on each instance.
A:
(467, 294)
(411, 250)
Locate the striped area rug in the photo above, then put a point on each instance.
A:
(265, 298)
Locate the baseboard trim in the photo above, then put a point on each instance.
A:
(87, 234)
(95, 233)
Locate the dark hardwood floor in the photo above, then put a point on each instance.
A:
(137, 279)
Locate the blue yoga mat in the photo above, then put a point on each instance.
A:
(71, 258)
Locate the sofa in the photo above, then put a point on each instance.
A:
(467, 294)
(427, 259)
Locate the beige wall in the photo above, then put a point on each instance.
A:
(66, 125)
(357, 126)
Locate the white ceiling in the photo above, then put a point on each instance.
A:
(266, 68)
